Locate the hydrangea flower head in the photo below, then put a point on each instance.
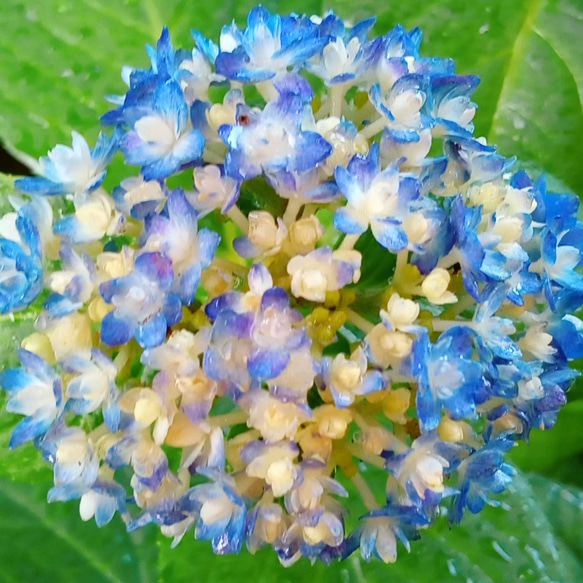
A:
(291, 299)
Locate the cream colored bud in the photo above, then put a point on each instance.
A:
(183, 433)
(310, 284)
(88, 505)
(97, 213)
(488, 195)
(216, 281)
(314, 444)
(98, 309)
(40, 344)
(316, 534)
(416, 225)
(332, 422)
(281, 475)
(375, 439)
(73, 450)
(450, 430)
(112, 265)
(396, 404)
(431, 472)
(396, 344)
(304, 234)
(220, 114)
(263, 229)
(402, 312)
(509, 229)
(70, 335)
(435, 286)
(147, 408)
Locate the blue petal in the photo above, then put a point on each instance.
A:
(267, 364)
(151, 333)
(116, 331)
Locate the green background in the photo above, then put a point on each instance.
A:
(58, 58)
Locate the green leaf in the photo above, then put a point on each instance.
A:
(42, 542)
(519, 542)
(548, 449)
(564, 509)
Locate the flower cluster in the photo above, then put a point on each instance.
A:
(294, 297)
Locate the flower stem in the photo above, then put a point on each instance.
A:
(229, 419)
(349, 242)
(441, 325)
(370, 458)
(294, 205)
(235, 214)
(373, 128)
(365, 491)
(337, 93)
(267, 90)
(359, 321)
(227, 265)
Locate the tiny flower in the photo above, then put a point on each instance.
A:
(20, 267)
(482, 473)
(144, 305)
(321, 271)
(214, 190)
(160, 140)
(345, 56)
(272, 463)
(73, 286)
(137, 197)
(447, 377)
(266, 235)
(273, 139)
(221, 514)
(93, 382)
(420, 471)
(303, 235)
(434, 287)
(76, 465)
(387, 347)
(380, 200)
(268, 525)
(381, 528)
(34, 390)
(77, 170)
(178, 238)
(267, 47)
(400, 313)
(347, 378)
(275, 419)
(94, 218)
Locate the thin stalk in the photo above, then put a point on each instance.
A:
(229, 419)
(349, 242)
(462, 304)
(267, 90)
(373, 128)
(365, 492)
(294, 205)
(441, 325)
(370, 458)
(228, 265)
(337, 93)
(359, 321)
(235, 214)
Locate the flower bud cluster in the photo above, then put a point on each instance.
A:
(299, 296)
